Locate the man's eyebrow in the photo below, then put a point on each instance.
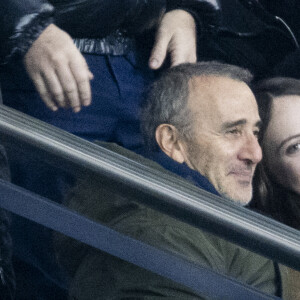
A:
(228, 125)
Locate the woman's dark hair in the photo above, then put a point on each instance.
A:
(268, 196)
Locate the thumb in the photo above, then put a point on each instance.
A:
(91, 75)
(159, 51)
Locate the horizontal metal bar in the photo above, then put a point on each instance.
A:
(166, 193)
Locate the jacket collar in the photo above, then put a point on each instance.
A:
(181, 169)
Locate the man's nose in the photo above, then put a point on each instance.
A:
(251, 150)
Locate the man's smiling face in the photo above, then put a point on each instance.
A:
(224, 146)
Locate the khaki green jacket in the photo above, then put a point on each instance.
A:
(100, 276)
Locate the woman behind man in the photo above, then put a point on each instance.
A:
(278, 178)
(277, 181)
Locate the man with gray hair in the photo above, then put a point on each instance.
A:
(205, 115)
(200, 122)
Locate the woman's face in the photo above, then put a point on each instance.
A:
(281, 142)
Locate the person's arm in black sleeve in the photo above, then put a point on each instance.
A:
(56, 67)
(99, 18)
(21, 22)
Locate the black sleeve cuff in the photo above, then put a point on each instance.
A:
(26, 32)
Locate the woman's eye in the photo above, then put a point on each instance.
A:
(293, 148)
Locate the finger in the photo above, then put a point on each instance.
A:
(69, 86)
(182, 52)
(44, 93)
(82, 77)
(54, 88)
(159, 50)
(91, 75)
(178, 57)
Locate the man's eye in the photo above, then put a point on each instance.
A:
(293, 148)
(256, 133)
(234, 131)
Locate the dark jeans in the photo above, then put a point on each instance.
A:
(113, 116)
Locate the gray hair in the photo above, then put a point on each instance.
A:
(166, 99)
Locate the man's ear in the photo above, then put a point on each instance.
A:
(167, 137)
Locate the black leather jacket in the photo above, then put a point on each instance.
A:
(23, 21)
(257, 35)
(103, 26)
(254, 35)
